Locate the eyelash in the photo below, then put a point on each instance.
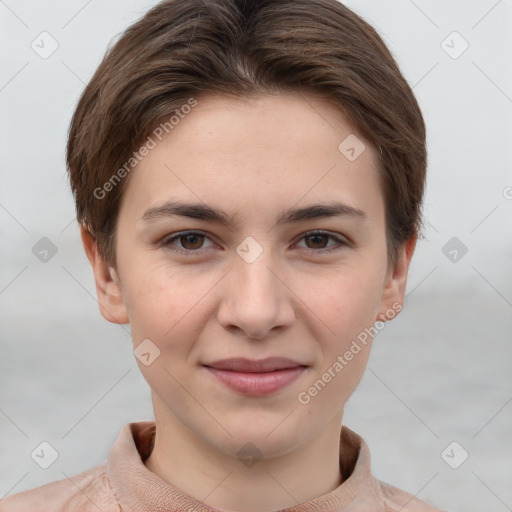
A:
(166, 243)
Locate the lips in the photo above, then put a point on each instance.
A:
(269, 364)
(256, 377)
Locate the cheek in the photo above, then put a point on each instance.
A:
(346, 301)
(166, 310)
(347, 307)
(164, 303)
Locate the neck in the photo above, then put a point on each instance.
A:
(220, 480)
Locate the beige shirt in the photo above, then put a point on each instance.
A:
(123, 483)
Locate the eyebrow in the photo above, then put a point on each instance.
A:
(204, 212)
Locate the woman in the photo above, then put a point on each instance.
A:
(248, 178)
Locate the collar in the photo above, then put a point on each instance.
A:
(138, 489)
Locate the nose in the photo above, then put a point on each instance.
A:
(255, 299)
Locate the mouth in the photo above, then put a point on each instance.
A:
(256, 377)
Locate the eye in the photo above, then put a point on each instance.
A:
(193, 241)
(190, 241)
(317, 238)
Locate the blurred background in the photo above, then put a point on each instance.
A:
(435, 404)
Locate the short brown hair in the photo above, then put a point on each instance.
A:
(183, 49)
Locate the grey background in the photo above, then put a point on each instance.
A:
(440, 372)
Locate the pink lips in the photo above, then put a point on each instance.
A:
(256, 377)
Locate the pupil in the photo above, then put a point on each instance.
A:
(188, 237)
(316, 237)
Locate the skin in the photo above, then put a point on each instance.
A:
(252, 157)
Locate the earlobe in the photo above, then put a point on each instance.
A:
(108, 285)
(393, 292)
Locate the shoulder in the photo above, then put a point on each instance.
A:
(397, 500)
(89, 491)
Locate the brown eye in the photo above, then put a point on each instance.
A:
(318, 241)
(192, 241)
(185, 242)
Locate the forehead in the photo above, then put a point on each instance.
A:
(258, 151)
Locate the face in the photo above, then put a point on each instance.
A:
(267, 283)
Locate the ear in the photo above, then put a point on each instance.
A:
(393, 291)
(108, 286)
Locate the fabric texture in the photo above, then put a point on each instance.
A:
(124, 484)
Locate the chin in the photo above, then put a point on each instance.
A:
(270, 437)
